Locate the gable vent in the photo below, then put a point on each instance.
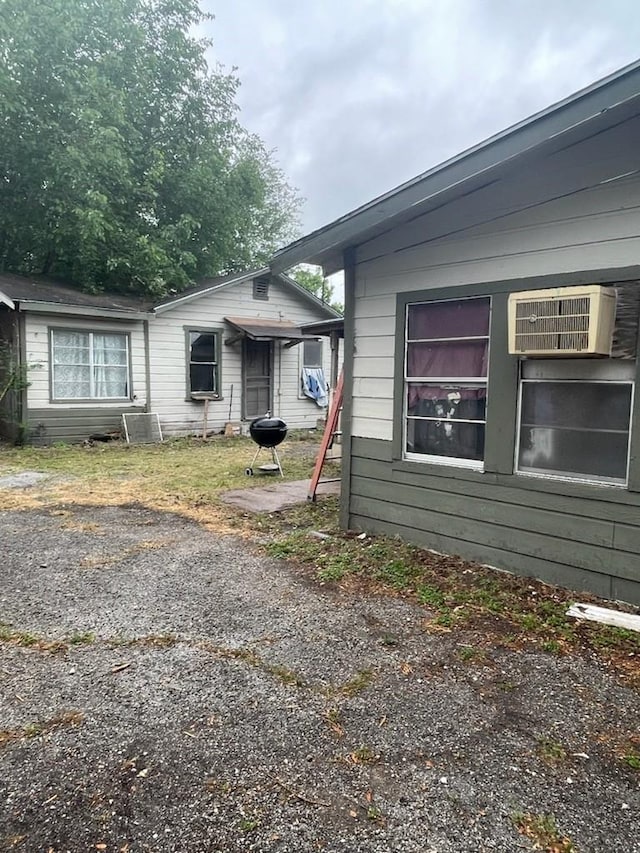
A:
(562, 321)
(261, 288)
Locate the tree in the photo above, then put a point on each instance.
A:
(311, 279)
(122, 163)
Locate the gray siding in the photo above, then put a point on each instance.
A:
(583, 538)
(72, 425)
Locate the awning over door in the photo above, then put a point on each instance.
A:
(264, 329)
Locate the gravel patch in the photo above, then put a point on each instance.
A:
(210, 699)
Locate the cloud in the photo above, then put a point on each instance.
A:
(360, 95)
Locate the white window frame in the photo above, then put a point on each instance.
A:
(483, 382)
(92, 364)
(590, 479)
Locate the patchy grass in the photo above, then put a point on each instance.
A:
(484, 607)
(543, 831)
(181, 475)
(36, 729)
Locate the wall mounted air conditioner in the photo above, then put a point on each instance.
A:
(562, 321)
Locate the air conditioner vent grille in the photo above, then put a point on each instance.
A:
(572, 320)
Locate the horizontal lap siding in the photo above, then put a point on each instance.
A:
(180, 416)
(572, 541)
(579, 536)
(48, 426)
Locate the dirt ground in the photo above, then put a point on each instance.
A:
(164, 688)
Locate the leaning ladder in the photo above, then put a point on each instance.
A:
(330, 431)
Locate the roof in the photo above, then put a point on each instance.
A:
(38, 290)
(324, 327)
(582, 116)
(39, 294)
(265, 329)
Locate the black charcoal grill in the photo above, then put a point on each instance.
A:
(268, 433)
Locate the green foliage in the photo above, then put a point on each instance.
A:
(311, 279)
(123, 165)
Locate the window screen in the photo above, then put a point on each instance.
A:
(447, 346)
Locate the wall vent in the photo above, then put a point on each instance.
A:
(261, 288)
(562, 321)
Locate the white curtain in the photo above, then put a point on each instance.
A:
(110, 366)
(88, 365)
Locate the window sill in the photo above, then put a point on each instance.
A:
(441, 469)
(195, 398)
(92, 401)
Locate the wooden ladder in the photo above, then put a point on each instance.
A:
(330, 431)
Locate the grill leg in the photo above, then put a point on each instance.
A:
(276, 459)
(255, 456)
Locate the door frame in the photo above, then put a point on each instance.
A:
(245, 342)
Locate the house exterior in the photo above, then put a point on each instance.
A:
(526, 463)
(232, 344)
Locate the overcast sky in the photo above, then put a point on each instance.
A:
(358, 96)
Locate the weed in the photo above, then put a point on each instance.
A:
(430, 595)
(363, 755)
(543, 831)
(469, 653)
(551, 752)
(374, 814)
(32, 730)
(360, 681)
(285, 675)
(632, 760)
(249, 824)
(334, 719)
(551, 646)
(82, 638)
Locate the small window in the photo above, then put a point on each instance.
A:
(445, 393)
(576, 429)
(203, 362)
(89, 365)
(261, 288)
(312, 354)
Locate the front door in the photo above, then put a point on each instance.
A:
(257, 378)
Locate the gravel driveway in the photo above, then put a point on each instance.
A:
(202, 697)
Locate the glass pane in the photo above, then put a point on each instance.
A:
(70, 339)
(587, 405)
(446, 438)
(110, 349)
(70, 355)
(202, 377)
(461, 318)
(312, 353)
(203, 346)
(573, 453)
(449, 403)
(451, 359)
(111, 381)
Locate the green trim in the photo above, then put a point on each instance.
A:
(347, 399)
(502, 393)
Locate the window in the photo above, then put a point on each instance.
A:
(204, 362)
(573, 425)
(445, 393)
(312, 354)
(261, 289)
(89, 365)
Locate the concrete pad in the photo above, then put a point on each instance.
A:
(23, 480)
(276, 496)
